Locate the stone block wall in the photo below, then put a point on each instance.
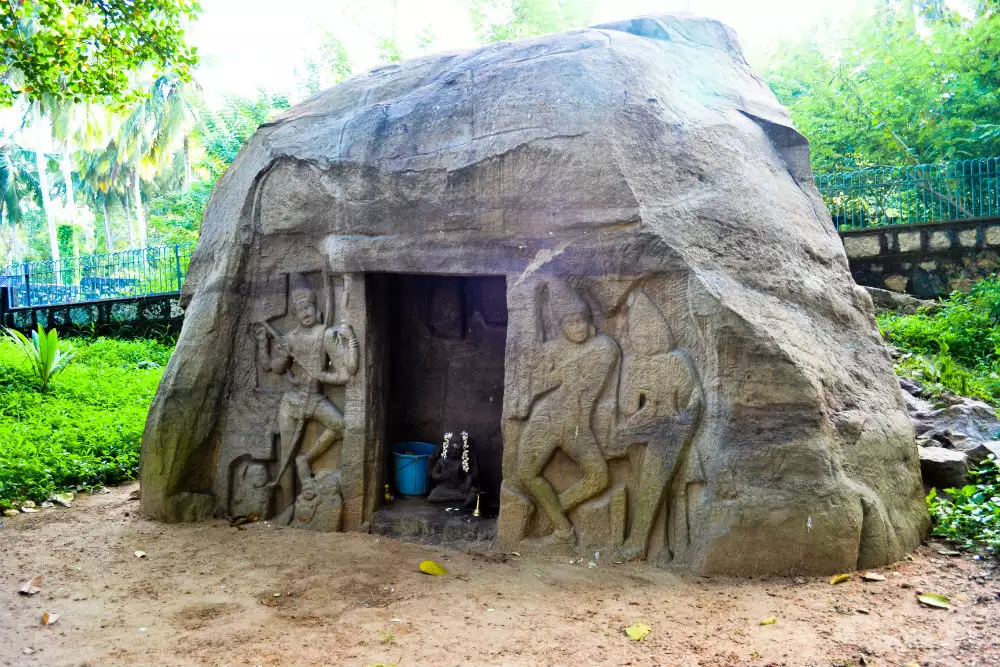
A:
(136, 316)
(926, 261)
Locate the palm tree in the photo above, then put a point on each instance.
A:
(42, 167)
(16, 186)
(153, 133)
(101, 179)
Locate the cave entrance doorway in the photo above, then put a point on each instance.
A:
(444, 339)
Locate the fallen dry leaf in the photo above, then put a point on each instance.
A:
(32, 587)
(839, 579)
(637, 631)
(432, 568)
(770, 620)
(935, 600)
(238, 521)
(49, 619)
(64, 499)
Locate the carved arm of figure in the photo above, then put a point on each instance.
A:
(689, 413)
(341, 345)
(540, 380)
(275, 360)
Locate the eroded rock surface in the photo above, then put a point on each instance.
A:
(689, 373)
(953, 433)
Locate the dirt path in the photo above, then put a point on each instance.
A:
(209, 594)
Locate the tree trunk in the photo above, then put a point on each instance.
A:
(140, 215)
(187, 164)
(67, 174)
(128, 219)
(44, 186)
(108, 239)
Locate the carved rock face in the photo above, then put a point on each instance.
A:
(719, 397)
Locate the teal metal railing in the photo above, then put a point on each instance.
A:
(942, 192)
(115, 275)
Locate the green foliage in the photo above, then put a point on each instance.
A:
(330, 66)
(42, 352)
(896, 83)
(499, 20)
(175, 216)
(81, 50)
(87, 430)
(223, 131)
(971, 516)
(956, 348)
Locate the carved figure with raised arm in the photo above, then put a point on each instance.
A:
(311, 355)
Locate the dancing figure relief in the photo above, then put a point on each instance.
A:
(311, 356)
(568, 376)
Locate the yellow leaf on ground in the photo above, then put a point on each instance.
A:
(637, 631)
(839, 578)
(770, 620)
(432, 568)
(934, 600)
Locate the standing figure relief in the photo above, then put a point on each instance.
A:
(567, 378)
(660, 406)
(311, 355)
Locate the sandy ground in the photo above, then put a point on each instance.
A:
(209, 594)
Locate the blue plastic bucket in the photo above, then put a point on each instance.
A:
(410, 459)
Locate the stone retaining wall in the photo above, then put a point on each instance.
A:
(926, 261)
(140, 315)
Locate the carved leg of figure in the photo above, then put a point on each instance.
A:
(288, 427)
(536, 454)
(657, 468)
(653, 478)
(330, 417)
(587, 454)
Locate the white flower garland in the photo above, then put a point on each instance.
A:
(465, 451)
(447, 443)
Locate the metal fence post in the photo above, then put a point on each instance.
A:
(4, 304)
(177, 259)
(27, 284)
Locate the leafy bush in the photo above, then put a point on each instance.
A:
(956, 348)
(42, 352)
(972, 516)
(86, 430)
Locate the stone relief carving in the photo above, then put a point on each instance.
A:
(312, 355)
(567, 377)
(658, 405)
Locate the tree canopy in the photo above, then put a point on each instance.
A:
(900, 82)
(88, 50)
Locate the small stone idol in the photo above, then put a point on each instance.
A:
(454, 473)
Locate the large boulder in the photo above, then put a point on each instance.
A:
(690, 373)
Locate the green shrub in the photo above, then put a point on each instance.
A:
(971, 517)
(86, 430)
(957, 347)
(43, 352)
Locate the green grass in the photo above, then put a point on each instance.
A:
(86, 430)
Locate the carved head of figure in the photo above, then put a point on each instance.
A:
(571, 312)
(303, 299)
